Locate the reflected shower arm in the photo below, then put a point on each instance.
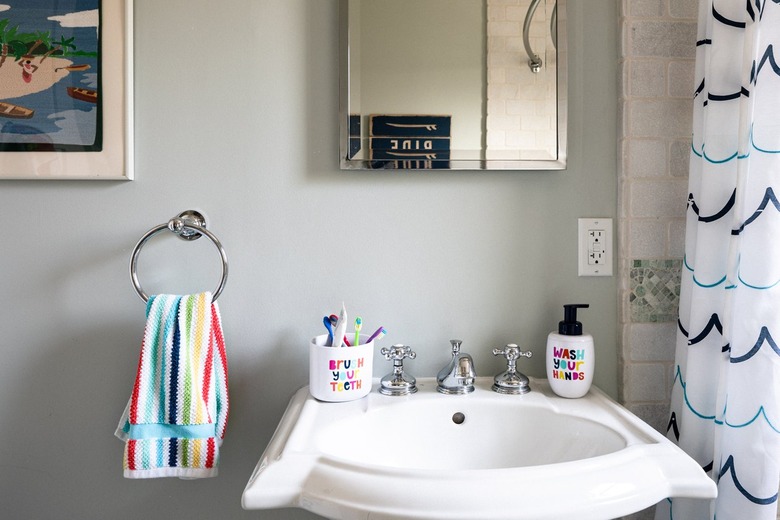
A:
(534, 61)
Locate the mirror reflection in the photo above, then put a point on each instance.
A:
(453, 84)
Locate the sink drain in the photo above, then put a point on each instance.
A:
(458, 418)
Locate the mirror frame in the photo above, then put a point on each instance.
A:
(461, 164)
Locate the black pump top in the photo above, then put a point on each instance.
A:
(570, 326)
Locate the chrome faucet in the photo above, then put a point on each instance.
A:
(458, 376)
(398, 382)
(511, 381)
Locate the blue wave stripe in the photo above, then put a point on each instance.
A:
(758, 287)
(685, 396)
(760, 413)
(731, 157)
(686, 264)
(745, 283)
(755, 146)
(708, 286)
(735, 155)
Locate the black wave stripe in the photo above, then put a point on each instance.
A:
(713, 323)
(759, 8)
(673, 426)
(708, 467)
(764, 337)
(728, 97)
(692, 204)
(722, 97)
(768, 57)
(726, 348)
(769, 196)
(682, 329)
(716, 216)
(705, 41)
(729, 467)
(699, 89)
(722, 19)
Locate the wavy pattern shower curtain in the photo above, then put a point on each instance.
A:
(726, 393)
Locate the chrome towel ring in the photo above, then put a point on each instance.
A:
(188, 225)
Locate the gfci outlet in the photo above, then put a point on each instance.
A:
(595, 246)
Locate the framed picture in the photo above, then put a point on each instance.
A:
(66, 89)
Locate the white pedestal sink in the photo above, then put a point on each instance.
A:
(478, 456)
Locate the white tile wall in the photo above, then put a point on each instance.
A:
(657, 62)
(522, 106)
(657, 58)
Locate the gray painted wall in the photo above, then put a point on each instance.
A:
(244, 127)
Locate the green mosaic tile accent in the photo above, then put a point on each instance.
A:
(655, 290)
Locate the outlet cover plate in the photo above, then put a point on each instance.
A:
(596, 248)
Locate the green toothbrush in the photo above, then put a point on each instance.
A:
(358, 326)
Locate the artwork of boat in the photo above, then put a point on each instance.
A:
(15, 111)
(73, 68)
(83, 94)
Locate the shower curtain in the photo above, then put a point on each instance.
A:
(725, 408)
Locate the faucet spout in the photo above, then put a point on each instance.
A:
(459, 374)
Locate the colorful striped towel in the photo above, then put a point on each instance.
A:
(175, 420)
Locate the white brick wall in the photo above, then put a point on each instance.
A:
(657, 63)
(521, 106)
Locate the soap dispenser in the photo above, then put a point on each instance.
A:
(570, 356)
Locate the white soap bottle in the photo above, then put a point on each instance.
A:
(570, 356)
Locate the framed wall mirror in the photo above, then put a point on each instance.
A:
(453, 84)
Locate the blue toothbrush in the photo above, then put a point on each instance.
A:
(326, 322)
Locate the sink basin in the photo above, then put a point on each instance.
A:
(491, 435)
(482, 455)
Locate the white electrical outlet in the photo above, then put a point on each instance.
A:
(595, 246)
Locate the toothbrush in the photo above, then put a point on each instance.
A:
(379, 334)
(326, 322)
(358, 326)
(341, 327)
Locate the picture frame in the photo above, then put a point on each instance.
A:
(111, 157)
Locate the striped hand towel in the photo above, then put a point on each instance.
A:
(175, 420)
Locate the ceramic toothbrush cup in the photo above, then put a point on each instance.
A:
(338, 374)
